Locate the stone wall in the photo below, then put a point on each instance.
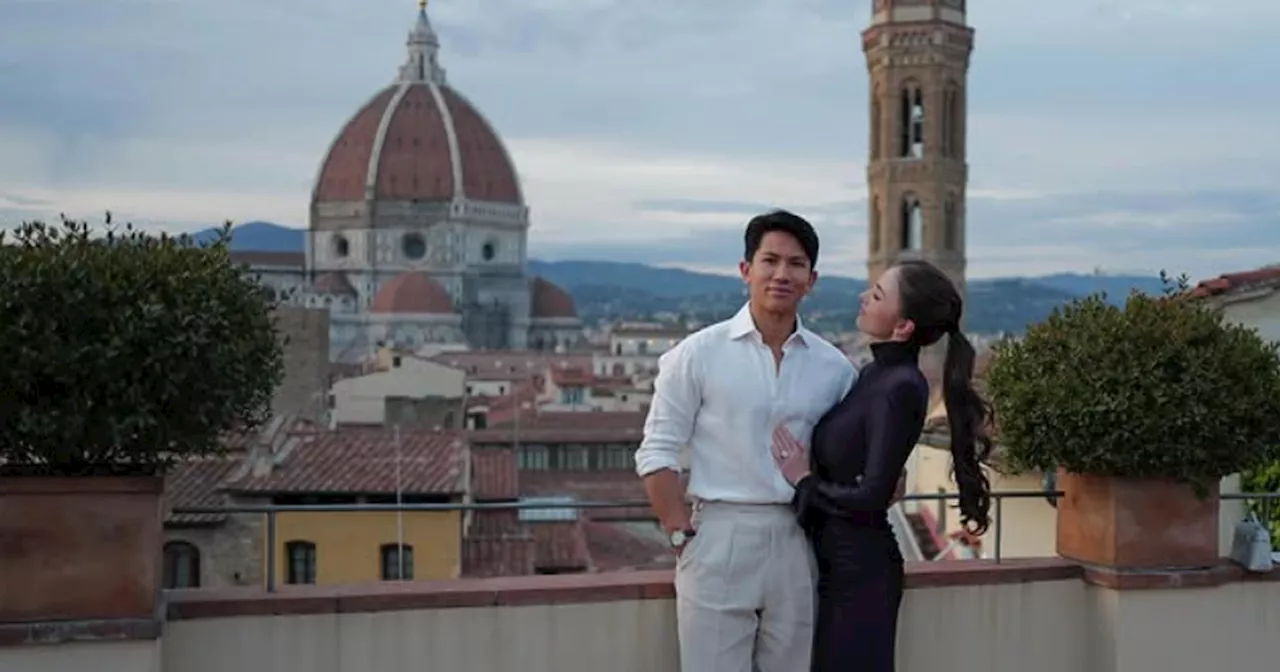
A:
(231, 554)
(305, 388)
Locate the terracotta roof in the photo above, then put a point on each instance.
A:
(595, 546)
(572, 377)
(615, 383)
(510, 362)
(413, 292)
(493, 473)
(498, 555)
(498, 376)
(591, 486)
(1230, 283)
(654, 330)
(257, 258)
(550, 301)
(502, 409)
(365, 461)
(564, 434)
(416, 158)
(560, 546)
(575, 420)
(195, 484)
(615, 548)
(494, 522)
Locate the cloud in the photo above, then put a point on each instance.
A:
(1122, 136)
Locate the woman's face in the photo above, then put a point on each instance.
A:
(880, 315)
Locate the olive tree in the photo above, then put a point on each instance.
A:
(126, 351)
(1160, 387)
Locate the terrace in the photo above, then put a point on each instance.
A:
(1047, 614)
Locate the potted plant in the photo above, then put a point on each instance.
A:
(124, 353)
(1141, 409)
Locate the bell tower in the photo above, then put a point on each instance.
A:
(918, 61)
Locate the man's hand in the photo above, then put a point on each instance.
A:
(681, 521)
(666, 496)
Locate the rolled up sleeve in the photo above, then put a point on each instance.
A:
(677, 395)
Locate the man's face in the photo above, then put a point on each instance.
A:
(779, 275)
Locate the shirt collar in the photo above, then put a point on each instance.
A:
(741, 325)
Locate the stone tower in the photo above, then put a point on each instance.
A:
(918, 60)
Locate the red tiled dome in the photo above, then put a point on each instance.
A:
(418, 140)
(414, 293)
(548, 300)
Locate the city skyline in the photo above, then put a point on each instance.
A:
(650, 132)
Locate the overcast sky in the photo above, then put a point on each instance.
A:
(1127, 136)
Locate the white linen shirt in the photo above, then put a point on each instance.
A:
(719, 395)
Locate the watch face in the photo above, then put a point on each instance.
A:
(678, 538)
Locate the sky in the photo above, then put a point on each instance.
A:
(1123, 137)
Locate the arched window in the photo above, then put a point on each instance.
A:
(912, 223)
(951, 122)
(300, 557)
(911, 121)
(397, 562)
(181, 565)
(874, 226)
(875, 124)
(950, 224)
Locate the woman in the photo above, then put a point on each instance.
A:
(860, 447)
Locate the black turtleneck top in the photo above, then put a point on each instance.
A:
(861, 444)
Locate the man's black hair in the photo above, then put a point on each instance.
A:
(787, 222)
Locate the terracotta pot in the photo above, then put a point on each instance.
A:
(80, 548)
(1136, 523)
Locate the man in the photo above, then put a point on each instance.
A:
(744, 573)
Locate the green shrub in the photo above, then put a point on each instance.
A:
(1265, 479)
(1158, 388)
(128, 351)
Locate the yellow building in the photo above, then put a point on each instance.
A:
(1028, 526)
(319, 468)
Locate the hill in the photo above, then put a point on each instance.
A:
(259, 237)
(606, 290)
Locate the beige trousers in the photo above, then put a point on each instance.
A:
(745, 591)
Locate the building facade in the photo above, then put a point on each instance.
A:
(418, 231)
(918, 60)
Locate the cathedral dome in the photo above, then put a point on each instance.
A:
(418, 140)
(412, 293)
(551, 302)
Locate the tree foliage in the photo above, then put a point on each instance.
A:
(127, 351)
(1158, 388)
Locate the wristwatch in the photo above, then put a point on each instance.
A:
(681, 537)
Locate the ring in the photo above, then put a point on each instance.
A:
(785, 453)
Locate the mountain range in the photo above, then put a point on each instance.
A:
(613, 290)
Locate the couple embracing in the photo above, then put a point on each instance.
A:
(786, 560)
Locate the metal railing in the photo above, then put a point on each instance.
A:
(1265, 505)
(270, 511)
(997, 507)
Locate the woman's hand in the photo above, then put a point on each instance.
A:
(792, 457)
